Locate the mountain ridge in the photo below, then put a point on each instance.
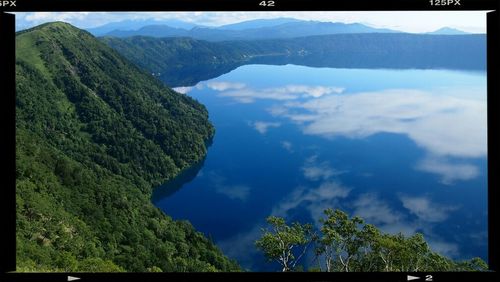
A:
(257, 23)
(197, 60)
(94, 135)
(252, 30)
(447, 31)
(137, 24)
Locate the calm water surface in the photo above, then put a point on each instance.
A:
(404, 149)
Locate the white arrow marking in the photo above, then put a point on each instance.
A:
(409, 277)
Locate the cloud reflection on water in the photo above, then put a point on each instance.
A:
(443, 125)
(425, 209)
(447, 122)
(331, 193)
(225, 85)
(314, 170)
(287, 145)
(449, 171)
(245, 94)
(183, 89)
(263, 126)
(378, 212)
(232, 191)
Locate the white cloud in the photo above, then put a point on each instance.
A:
(224, 85)
(315, 200)
(262, 126)
(239, 192)
(379, 213)
(302, 118)
(250, 95)
(183, 89)
(232, 191)
(287, 92)
(425, 209)
(308, 91)
(314, 170)
(372, 209)
(444, 248)
(278, 110)
(287, 145)
(449, 171)
(427, 118)
(447, 123)
(39, 17)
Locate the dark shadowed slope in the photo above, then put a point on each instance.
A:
(185, 61)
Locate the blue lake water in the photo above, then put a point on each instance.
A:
(404, 149)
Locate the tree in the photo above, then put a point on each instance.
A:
(475, 264)
(400, 253)
(341, 241)
(348, 244)
(285, 244)
(367, 260)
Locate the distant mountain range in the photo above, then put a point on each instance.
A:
(285, 30)
(279, 28)
(137, 24)
(448, 31)
(258, 23)
(248, 30)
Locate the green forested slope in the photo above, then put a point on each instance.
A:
(94, 134)
(179, 61)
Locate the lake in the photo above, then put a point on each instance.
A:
(404, 149)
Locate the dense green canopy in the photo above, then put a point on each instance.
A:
(94, 135)
(350, 245)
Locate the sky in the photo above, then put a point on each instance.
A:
(406, 21)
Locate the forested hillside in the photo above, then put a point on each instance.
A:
(94, 135)
(185, 61)
(179, 61)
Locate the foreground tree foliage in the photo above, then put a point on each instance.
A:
(94, 135)
(285, 244)
(348, 244)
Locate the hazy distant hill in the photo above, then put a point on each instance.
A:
(185, 61)
(448, 31)
(252, 30)
(259, 23)
(246, 30)
(128, 25)
(151, 30)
